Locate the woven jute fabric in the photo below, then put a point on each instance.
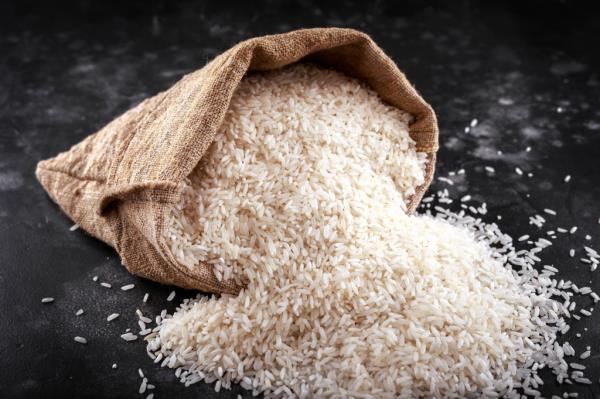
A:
(119, 183)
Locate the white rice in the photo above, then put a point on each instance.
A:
(79, 312)
(106, 285)
(47, 300)
(112, 316)
(302, 199)
(128, 287)
(129, 336)
(171, 296)
(80, 340)
(519, 171)
(143, 386)
(577, 366)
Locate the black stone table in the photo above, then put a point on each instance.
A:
(528, 71)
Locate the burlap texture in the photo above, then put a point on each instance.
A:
(118, 183)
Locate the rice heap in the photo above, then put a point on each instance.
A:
(302, 198)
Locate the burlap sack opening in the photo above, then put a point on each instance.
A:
(118, 183)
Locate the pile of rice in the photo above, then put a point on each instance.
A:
(302, 197)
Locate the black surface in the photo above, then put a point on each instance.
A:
(67, 69)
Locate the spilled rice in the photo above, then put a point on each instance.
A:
(302, 198)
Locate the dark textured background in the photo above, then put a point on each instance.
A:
(68, 68)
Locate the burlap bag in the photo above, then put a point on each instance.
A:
(118, 183)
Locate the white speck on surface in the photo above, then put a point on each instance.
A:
(80, 340)
(171, 296)
(143, 386)
(106, 285)
(95, 278)
(573, 229)
(550, 211)
(560, 110)
(79, 312)
(129, 337)
(114, 366)
(490, 169)
(48, 299)
(127, 287)
(572, 252)
(112, 316)
(74, 227)
(467, 129)
(528, 149)
(519, 171)
(465, 198)
(146, 296)
(567, 178)
(505, 101)
(588, 237)
(474, 122)
(446, 180)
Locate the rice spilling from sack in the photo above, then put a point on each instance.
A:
(294, 147)
(302, 197)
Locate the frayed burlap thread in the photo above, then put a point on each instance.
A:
(118, 184)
